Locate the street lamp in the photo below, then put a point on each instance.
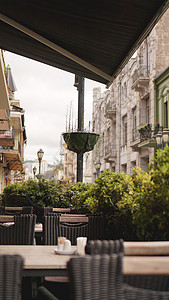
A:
(162, 138)
(40, 155)
(34, 171)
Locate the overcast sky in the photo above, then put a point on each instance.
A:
(46, 94)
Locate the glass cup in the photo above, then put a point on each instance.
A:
(61, 242)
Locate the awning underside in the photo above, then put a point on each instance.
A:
(101, 33)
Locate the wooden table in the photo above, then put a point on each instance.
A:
(146, 248)
(42, 261)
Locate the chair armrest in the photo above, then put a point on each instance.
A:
(44, 294)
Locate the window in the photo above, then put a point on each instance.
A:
(134, 120)
(125, 130)
(108, 141)
(147, 111)
(166, 114)
(124, 168)
(133, 164)
(66, 171)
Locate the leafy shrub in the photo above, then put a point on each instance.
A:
(42, 193)
(135, 207)
(151, 217)
(110, 189)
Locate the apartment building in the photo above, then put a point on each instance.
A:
(121, 113)
(12, 129)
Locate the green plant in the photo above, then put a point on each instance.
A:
(41, 193)
(151, 216)
(144, 127)
(134, 207)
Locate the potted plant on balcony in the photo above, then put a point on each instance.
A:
(144, 128)
(145, 132)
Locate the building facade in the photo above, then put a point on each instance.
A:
(12, 130)
(127, 115)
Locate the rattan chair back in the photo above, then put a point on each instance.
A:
(22, 232)
(50, 229)
(104, 246)
(96, 277)
(11, 277)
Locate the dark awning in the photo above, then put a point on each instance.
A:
(89, 38)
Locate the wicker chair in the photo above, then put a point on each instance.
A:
(155, 282)
(134, 293)
(93, 277)
(96, 227)
(11, 277)
(96, 277)
(44, 294)
(22, 232)
(50, 229)
(72, 231)
(93, 229)
(104, 246)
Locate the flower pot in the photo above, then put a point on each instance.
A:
(80, 142)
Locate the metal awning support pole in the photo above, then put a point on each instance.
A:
(80, 125)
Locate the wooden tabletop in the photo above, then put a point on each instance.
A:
(146, 248)
(39, 260)
(42, 261)
(146, 265)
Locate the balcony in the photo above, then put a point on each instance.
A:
(135, 139)
(110, 153)
(141, 81)
(13, 158)
(143, 136)
(147, 133)
(110, 111)
(4, 120)
(7, 138)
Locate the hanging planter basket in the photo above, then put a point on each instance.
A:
(80, 142)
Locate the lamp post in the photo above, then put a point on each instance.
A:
(162, 138)
(40, 155)
(34, 171)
